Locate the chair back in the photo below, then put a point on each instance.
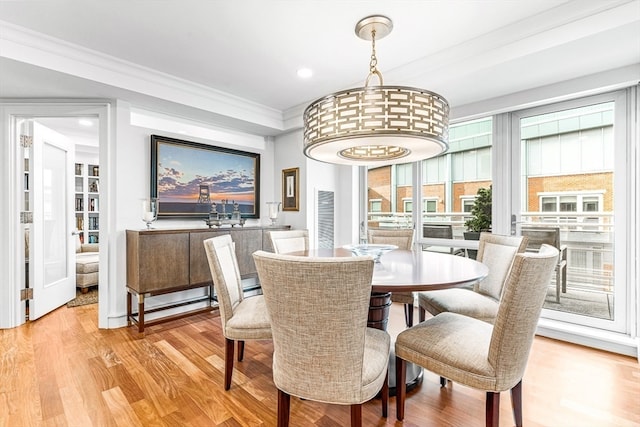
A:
(497, 252)
(225, 273)
(318, 309)
(289, 241)
(515, 325)
(541, 236)
(402, 238)
(438, 231)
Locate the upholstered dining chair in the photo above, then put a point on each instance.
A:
(496, 252)
(323, 349)
(242, 318)
(403, 239)
(284, 241)
(477, 354)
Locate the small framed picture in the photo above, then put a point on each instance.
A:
(290, 189)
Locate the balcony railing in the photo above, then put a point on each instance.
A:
(588, 237)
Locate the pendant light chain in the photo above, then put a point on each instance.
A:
(374, 59)
(373, 70)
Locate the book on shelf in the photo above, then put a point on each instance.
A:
(79, 223)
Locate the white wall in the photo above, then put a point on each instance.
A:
(317, 176)
(130, 178)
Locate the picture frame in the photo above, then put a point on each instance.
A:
(291, 189)
(188, 177)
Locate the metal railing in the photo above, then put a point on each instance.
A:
(588, 237)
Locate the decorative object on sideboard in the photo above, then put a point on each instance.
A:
(376, 124)
(219, 219)
(274, 208)
(149, 211)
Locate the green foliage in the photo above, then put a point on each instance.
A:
(481, 212)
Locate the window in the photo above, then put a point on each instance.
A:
(571, 202)
(407, 205)
(375, 205)
(429, 205)
(467, 204)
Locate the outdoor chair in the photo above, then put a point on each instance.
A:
(549, 236)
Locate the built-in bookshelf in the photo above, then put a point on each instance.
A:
(87, 201)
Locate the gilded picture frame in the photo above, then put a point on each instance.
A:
(291, 189)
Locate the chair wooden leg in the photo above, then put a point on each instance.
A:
(516, 403)
(228, 362)
(408, 315)
(385, 395)
(356, 415)
(421, 314)
(401, 388)
(240, 351)
(284, 402)
(493, 409)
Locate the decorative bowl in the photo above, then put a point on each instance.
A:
(376, 251)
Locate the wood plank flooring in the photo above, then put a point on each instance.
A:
(62, 370)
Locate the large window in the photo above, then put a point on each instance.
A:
(567, 158)
(449, 182)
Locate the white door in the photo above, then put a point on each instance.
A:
(567, 171)
(52, 246)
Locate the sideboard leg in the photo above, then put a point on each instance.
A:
(128, 307)
(140, 313)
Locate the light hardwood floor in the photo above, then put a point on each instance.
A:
(63, 371)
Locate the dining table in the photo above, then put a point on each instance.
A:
(408, 271)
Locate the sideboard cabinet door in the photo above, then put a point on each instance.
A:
(157, 261)
(198, 263)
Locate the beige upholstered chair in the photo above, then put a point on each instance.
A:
(323, 349)
(242, 318)
(284, 241)
(479, 355)
(496, 252)
(403, 239)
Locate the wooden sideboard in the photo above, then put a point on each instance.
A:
(164, 261)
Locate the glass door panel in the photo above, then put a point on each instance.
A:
(566, 157)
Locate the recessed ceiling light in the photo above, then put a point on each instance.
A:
(85, 122)
(305, 73)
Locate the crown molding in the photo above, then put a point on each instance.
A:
(23, 45)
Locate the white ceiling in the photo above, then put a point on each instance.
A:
(245, 53)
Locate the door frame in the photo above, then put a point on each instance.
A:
(12, 310)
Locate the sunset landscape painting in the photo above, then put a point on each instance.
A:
(189, 177)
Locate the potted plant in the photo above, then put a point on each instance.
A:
(480, 217)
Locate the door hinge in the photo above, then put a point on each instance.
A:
(26, 294)
(26, 217)
(26, 141)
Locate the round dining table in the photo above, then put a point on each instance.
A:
(409, 271)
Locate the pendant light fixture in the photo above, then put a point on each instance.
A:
(376, 125)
